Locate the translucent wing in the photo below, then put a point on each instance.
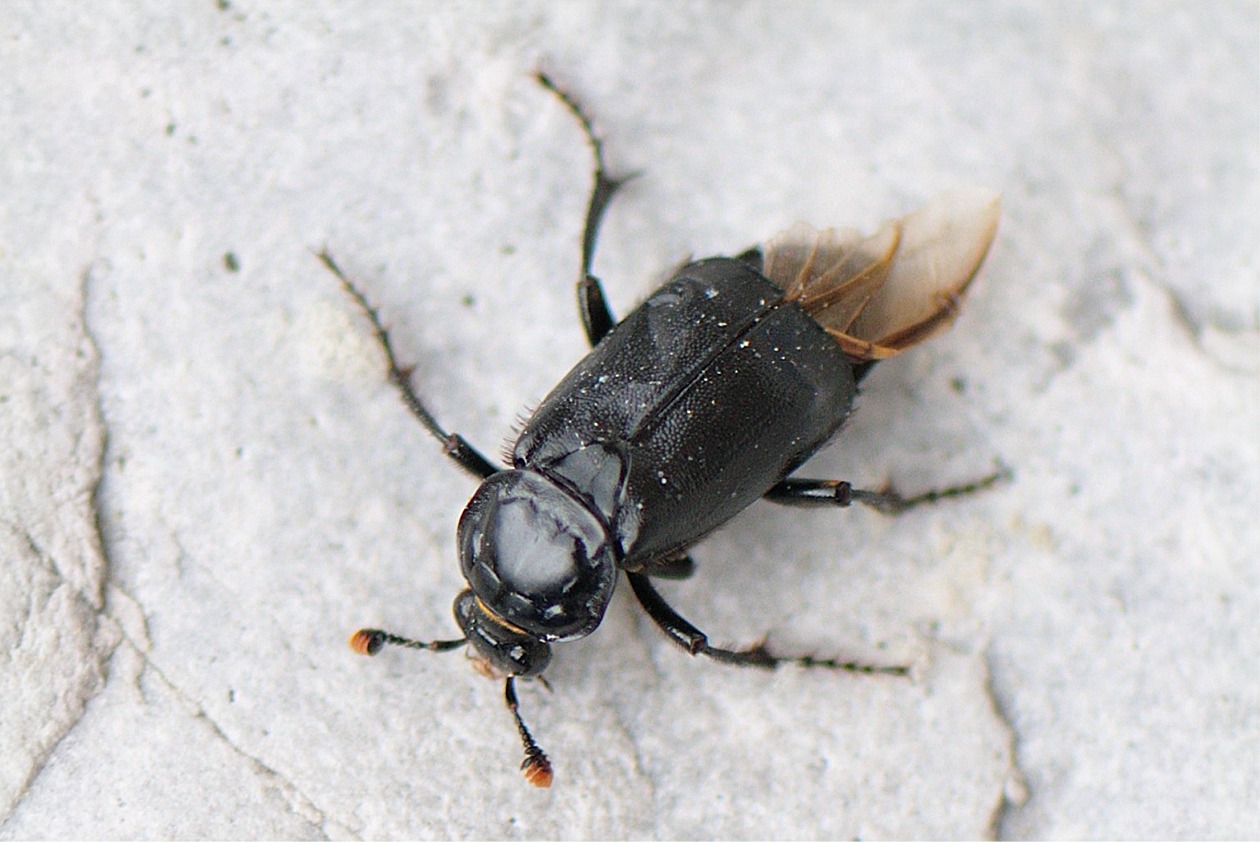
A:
(880, 294)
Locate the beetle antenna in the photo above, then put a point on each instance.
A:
(536, 767)
(370, 641)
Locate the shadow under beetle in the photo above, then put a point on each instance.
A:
(701, 401)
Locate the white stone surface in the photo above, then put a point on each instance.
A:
(207, 484)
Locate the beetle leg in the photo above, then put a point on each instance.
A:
(837, 493)
(454, 446)
(696, 642)
(597, 318)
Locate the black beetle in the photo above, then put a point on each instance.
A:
(701, 401)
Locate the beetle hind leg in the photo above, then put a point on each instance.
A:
(696, 642)
(840, 494)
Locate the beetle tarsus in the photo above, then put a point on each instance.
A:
(890, 502)
(899, 670)
(760, 656)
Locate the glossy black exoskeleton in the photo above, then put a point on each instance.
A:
(701, 401)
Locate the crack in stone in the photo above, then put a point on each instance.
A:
(93, 362)
(112, 611)
(1154, 269)
(300, 803)
(103, 646)
(1015, 793)
(640, 768)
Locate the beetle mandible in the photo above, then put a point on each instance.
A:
(703, 400)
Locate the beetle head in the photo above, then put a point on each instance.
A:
(500, 649)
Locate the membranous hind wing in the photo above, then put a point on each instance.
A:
(880, 294)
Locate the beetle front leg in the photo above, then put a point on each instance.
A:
(454, 446)
(696, 642)
(840, 494)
